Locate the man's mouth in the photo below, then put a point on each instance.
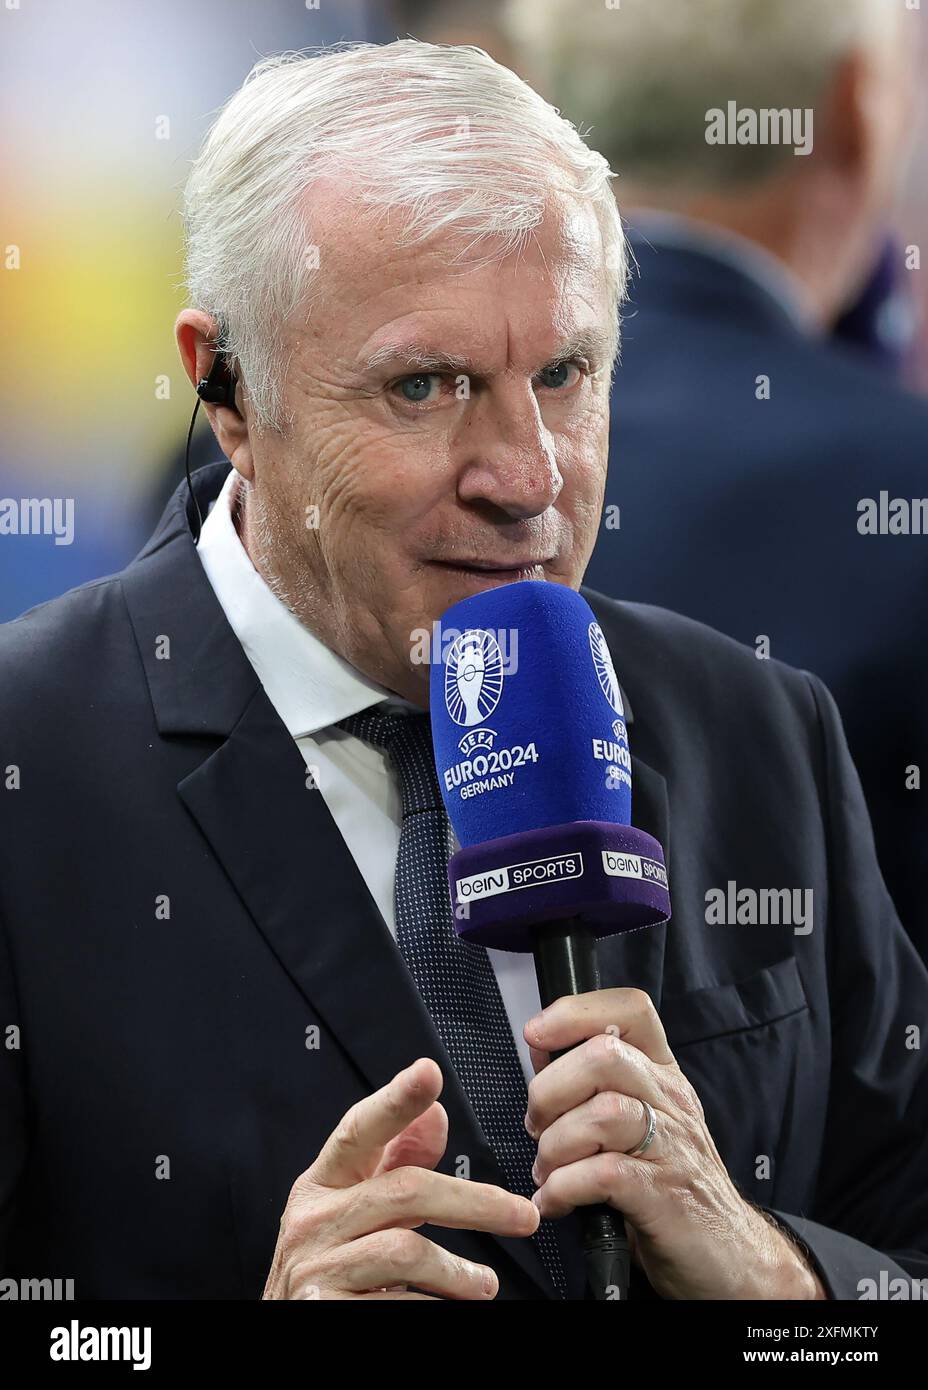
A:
(507, 571)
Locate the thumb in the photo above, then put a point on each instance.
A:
(421, 1144)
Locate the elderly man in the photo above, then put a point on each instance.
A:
(225, 1071)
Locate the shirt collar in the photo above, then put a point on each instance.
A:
(310, 686)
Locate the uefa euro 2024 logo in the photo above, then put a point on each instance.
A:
(473, 677)
(473, 686)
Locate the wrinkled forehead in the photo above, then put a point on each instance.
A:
(373, 288)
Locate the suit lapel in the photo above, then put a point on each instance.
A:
(291, 867)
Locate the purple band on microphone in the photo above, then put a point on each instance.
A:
(611, 876)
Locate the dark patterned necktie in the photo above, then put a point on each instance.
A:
(455, 978)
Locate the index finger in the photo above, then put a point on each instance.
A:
(354, 1148)
(574, 1018)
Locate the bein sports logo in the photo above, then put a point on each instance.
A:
(605, 671)
(473, 677)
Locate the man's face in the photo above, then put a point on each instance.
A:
(471, 453)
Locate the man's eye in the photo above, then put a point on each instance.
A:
(418, 388)
(558, 376)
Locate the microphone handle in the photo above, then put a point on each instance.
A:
(565, 963)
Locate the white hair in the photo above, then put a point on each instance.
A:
(443, 133)
(644, 73)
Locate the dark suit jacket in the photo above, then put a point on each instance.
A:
(145, 1040)
(743, 514)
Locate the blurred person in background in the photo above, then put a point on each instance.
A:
(447, 21)
(749, 448)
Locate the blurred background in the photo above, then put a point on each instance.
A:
(775, 345)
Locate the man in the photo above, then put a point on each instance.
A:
(239, 1065)
(749, 450)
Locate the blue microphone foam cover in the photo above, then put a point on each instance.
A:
(527, 715)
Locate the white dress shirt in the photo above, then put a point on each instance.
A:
(311, 688)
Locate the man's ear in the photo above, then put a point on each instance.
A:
(858, 123)
(841, 134)
(196, 335)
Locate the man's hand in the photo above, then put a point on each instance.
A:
(689, 1229)
(348, 1227)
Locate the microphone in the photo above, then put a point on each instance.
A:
(532, 755)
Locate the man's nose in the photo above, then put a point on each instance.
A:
(507, 454)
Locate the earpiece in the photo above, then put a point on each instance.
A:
(218, 388)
